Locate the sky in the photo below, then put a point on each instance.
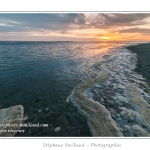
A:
(75, 27)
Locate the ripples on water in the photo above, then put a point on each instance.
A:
(47, 71)
(22, 54)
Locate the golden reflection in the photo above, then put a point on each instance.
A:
(96, 50)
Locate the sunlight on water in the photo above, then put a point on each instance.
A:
(22, 54)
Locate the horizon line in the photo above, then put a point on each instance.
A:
(64, 41)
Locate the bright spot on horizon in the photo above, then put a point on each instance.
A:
(104, 38)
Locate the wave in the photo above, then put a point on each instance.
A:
(113, 103)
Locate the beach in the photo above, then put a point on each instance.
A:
(143, 60)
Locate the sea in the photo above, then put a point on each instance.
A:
(41, 75)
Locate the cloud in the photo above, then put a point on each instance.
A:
(123, 18)
(62, 22)
(28, 22)
(105, 21)
(68, 21)
(136, 30)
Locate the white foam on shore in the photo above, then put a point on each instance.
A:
(117, 71)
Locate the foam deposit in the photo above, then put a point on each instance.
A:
(98, 117)
(11, 115)
(114, 103)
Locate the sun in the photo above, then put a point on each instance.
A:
(104, 38)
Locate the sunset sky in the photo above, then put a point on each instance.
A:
(75, 27)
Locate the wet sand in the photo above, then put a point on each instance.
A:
(143, 60)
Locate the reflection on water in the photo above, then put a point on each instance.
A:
(47, 72)
(22, 54)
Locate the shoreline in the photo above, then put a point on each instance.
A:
(99, 125)
(98, 117)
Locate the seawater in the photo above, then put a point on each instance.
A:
(29, 68)
(47, 71)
